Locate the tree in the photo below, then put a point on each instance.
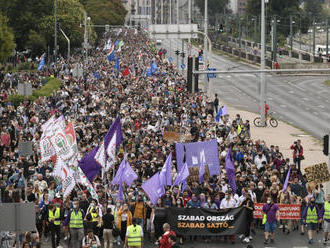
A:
(36, 43)
(282, 9)
(103, 12)
(7, 44)
(313, 8)
(214, 7)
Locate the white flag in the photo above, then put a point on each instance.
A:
(100, 155)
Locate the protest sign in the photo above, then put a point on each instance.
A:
(287, 211)
(318, 173)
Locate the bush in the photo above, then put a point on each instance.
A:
(52, 85)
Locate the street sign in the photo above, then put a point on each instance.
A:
(24, 89)
(17, 217)
(183, 66)
(170, 59)
(212, 75)
(201, 66)
(200, 58)
(173, 31)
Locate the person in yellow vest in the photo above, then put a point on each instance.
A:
(95, 211)
(326, 218)
(54, 219)
(75, 220)
(134, 236)
(311, 216)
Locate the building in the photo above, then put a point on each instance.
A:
(237, 6)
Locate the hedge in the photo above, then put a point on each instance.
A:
(52, 85)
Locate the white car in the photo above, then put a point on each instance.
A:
(158, 42)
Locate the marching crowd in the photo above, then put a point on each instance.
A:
(147, 105)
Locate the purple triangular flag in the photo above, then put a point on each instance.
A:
(89, 166)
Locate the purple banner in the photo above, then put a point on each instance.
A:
(193, 154)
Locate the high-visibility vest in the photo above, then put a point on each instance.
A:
(311, 215)
(76, 220)
(55, 217)
(134, 235)
(95, 216)
(326, 211)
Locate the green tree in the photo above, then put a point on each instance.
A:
(214, 7)
(7, 44)
(36, 42)
(103, 12)
(282, 9)
(313, 8)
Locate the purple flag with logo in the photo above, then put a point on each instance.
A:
(230, 170)
(286, 180)
(115, 128)
(183, 174)
(165, 176)
(193, 155)
(89, 166)
(153, 188)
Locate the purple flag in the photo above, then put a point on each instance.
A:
(117, 178)
(286, 180)
(128, 175)
(125, 174)
(230, 170)
(224, 110)
(202, 167)
(114, 129)
(89, 166)
(193, 155)
(120, 193)
(165, 176)
(183, 174)
(153, 188)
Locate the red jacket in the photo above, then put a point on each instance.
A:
(164, 242)
(296, 150)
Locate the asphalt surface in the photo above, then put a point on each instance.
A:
(302, 101)
(282, 240)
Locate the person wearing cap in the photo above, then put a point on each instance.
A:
(312, 216)
(91, 240)
(134, 235)
(54, 220)
(75, 220)
(326, 218)
(57, 201)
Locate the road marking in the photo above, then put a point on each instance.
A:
(228, 76)
(306, 99)
(270, 98)
(283, 106)
(291, 91)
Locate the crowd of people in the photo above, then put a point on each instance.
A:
(147, 105)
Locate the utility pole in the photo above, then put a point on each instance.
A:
(262, 67)
(274, 38)
(255, 30)
(291, 33)
(205, 46)
(170, 7)
(55, 35)
(162, 12)
(177, 11)
(239, 31)
(227, 30)
(313, 36)
(85, 34)
(327, 39)
(189, 22)
(300, 32)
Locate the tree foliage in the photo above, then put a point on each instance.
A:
(313, 8)
(7, 44)
(215, 8)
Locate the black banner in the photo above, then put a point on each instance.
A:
(207, 222)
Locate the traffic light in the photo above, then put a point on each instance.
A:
(200, 52)
(221, 28)
(326, 145)
(177, 52)
(182, 54)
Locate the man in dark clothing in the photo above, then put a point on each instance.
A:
(172, 240)
(216, 103)
(108, 220)
(296, 188)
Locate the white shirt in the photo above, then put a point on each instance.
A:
(231, 203)
(258, 161)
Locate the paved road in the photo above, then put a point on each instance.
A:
(303, 101)
(293, 240)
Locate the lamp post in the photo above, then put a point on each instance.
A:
(205, 46)
(262, 65)
(55, 35)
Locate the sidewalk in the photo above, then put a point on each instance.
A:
(284, 135)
